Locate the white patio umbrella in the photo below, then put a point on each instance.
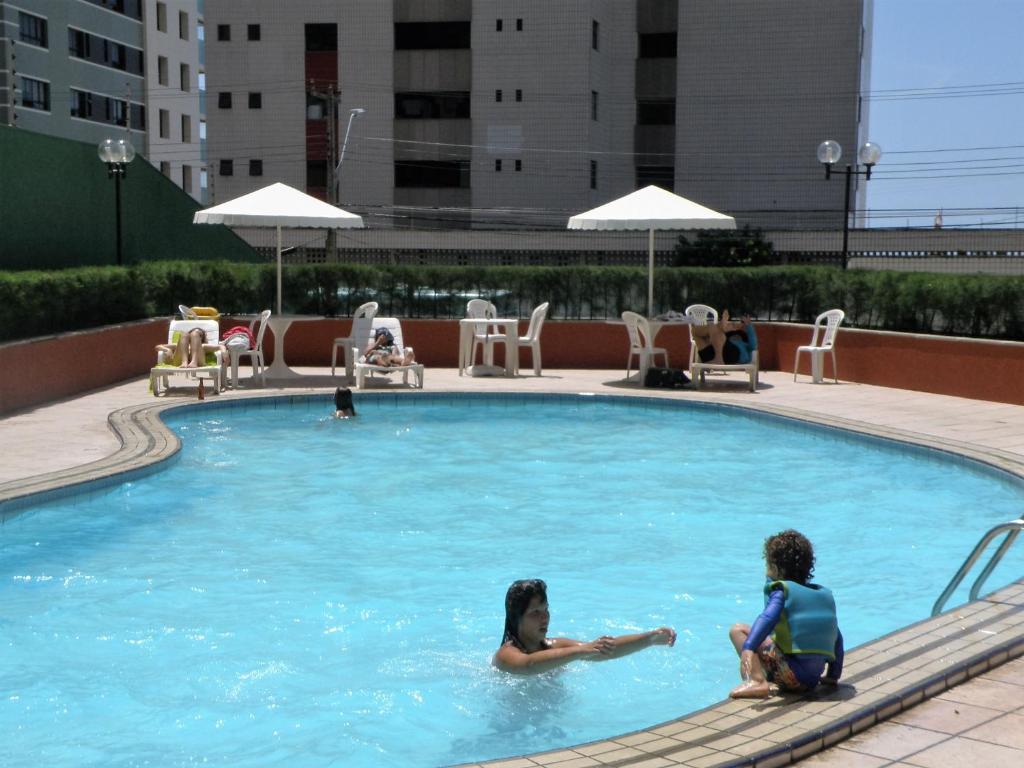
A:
(651, 208)
(278, 206)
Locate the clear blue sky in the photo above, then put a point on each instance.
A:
(948, 75)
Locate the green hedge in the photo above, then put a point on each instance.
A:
(42, 303)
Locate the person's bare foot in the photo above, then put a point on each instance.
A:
(754, 689)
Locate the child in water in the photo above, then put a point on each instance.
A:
(797, 635)
(527, 650)
(344, 408)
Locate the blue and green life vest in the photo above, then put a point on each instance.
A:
(808, 622)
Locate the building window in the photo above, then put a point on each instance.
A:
(519, 94)
(255, 100)
(657, 45)
(321, 37)
(593, 105)
(165, 124)
(497, 25)
(35, 94)
(130, 8)
(186, 129)
(165, 168)
(186, 78)
(497, 95)
(656, 112)
(659, 175)
(202, 130)
(519, 25)
(429, 173)
(431, 35)
(224, 99)
(186, 178)
(161, 70)
(316, 174)
(444, 105)
(33, 30)
(183, 25)
(161, 17)
(106, 53)
(255, 167)
(254, 32)
(519, 165)
(595, 35)
(497, 165)
(593, 174)
(104, 109)
(200, 31)
(223, 32)
(227, 167)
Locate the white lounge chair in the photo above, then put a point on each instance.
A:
(355, 342)
(255, 354)
(827, 326)
(702, 314)
(531, 339)
(161, 373)
(363, 368)
(641, 344)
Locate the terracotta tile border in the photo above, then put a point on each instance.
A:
(884, 677)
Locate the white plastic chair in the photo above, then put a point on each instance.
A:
(186, 312)
(826, 325)
(641, 344)
(531, 339)
(255, 354)
(356, 341)
(698, 314)
(481, 309)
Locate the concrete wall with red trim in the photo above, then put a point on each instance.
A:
(47, 369)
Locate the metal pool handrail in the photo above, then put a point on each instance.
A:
(1012, 529)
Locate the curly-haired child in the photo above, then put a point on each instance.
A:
(795, 643)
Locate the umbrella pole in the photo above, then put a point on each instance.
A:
(279, 270)
(650, 273)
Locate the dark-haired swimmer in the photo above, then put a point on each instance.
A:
(527, 650)
(344, 408)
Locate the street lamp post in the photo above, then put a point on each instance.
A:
(829, 153)
(352, 113)
(117, 153)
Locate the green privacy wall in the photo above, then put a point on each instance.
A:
(57, 210)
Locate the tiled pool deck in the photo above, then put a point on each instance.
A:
(944, 691)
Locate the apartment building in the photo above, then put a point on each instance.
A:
(92, 69)
(505, 113)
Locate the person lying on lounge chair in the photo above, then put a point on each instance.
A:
(188, 352)
(729, 342)
(384, 352)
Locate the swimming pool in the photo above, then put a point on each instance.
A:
(346, 610)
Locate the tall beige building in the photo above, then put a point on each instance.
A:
(504, 113)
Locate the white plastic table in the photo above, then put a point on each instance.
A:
(509, 331)
(279, 325)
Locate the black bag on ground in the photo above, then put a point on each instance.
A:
(668, 378)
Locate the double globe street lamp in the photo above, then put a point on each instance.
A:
(116, 153)
(829, 153)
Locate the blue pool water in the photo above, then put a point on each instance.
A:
(295, 590)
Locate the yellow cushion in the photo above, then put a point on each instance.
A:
(206, 312)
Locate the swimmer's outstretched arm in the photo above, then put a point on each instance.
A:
(623, 645)
(560, 651)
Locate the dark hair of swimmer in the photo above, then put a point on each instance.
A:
(343, 400)
(517, 600)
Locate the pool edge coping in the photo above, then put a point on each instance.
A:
(146, 442)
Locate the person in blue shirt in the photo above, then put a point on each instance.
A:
(731, 342)
(795, 643)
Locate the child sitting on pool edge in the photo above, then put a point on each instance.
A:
(800, 618)
(527, 650)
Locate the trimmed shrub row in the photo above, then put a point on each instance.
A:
(44, 303)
